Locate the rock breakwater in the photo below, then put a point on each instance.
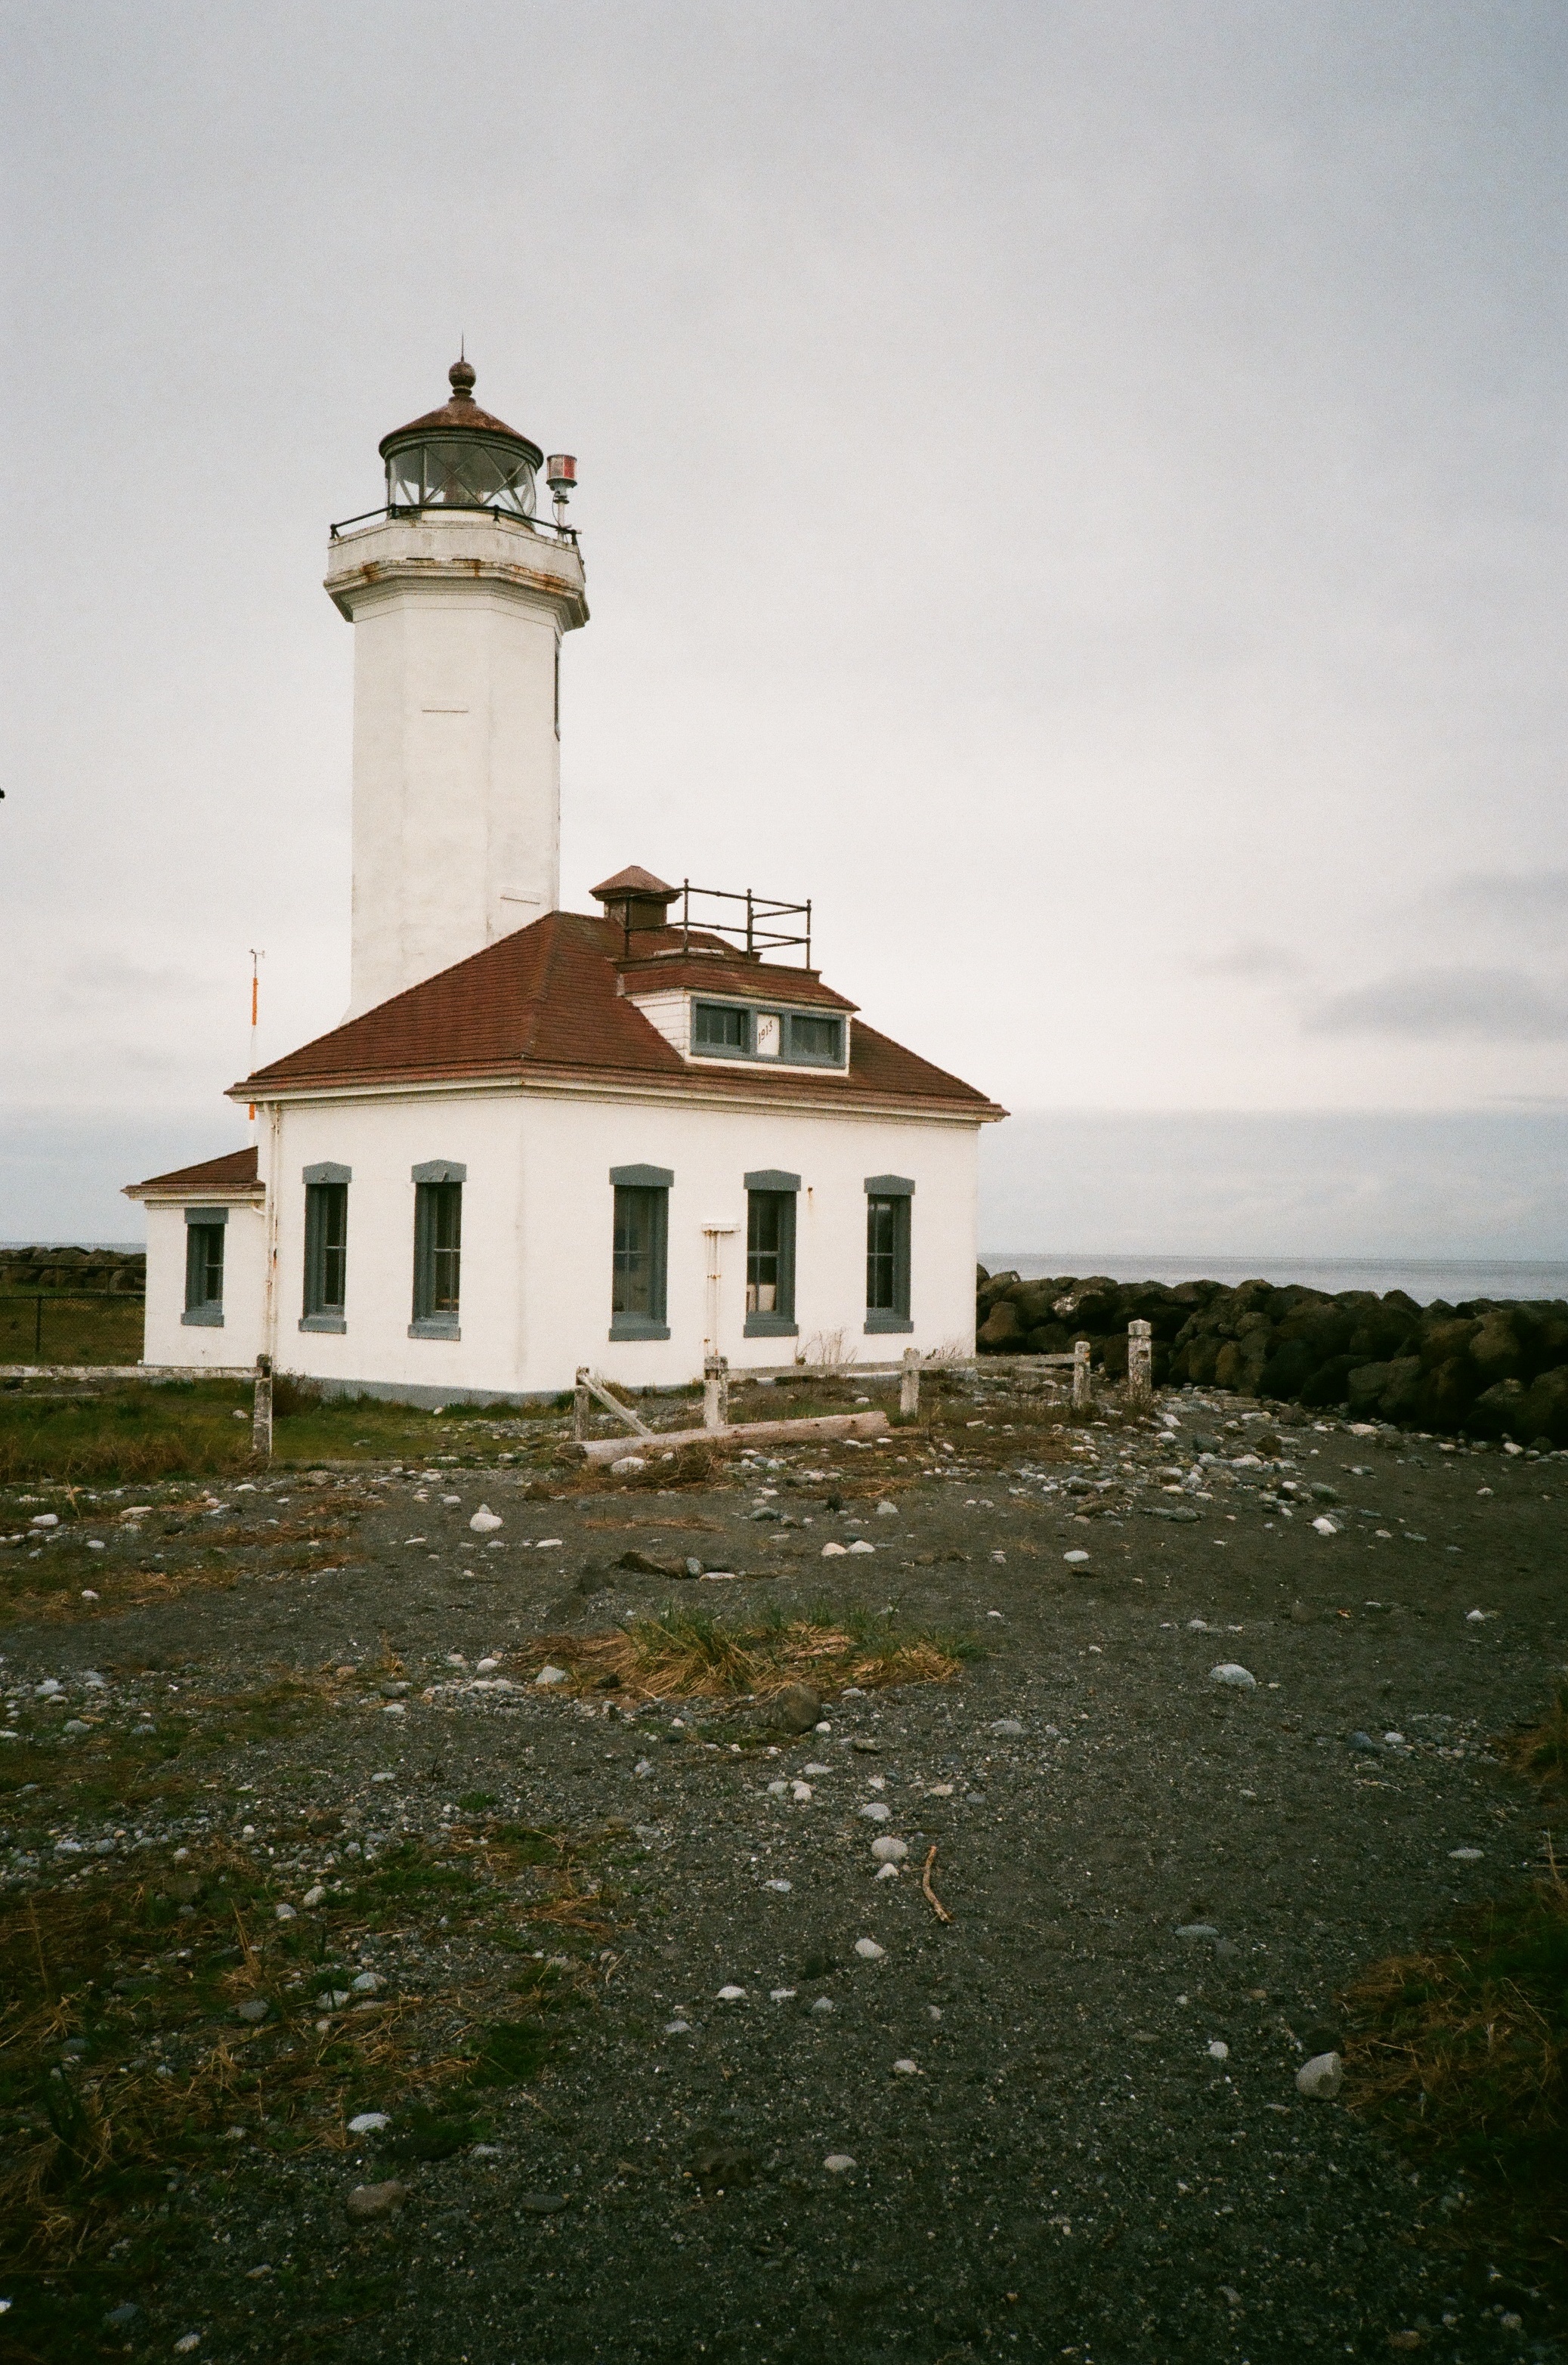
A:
(1490, 1368)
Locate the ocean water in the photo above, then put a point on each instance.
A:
(1422, 1280)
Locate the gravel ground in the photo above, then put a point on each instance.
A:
(796, 2115)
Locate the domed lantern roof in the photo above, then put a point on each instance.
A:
(460, 457)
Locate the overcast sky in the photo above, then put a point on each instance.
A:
(1075, 489)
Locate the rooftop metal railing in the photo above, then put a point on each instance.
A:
(549, 528)
(755, 934)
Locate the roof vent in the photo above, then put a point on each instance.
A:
(636, 899)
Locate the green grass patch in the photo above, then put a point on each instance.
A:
(57, 1326)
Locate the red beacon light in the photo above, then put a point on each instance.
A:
(561, 475)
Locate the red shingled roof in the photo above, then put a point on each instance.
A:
(235, 1172)
(551, 1001)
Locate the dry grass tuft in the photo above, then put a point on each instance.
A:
(687, 1654)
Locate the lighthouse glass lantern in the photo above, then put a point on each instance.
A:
(460, 457)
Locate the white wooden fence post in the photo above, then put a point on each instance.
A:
(909, 1382)
(1140, 1363)
(716, 1392)
(580, 1405)
(262, 1409)
(1082, 1394)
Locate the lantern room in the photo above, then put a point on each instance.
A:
(460, 457)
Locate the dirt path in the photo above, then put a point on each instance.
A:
(1049, 2154)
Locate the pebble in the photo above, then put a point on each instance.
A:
(825, 2004)
(488, 1666)
(47, 1689)
(284, 1913)
(1197, 1930)
(1324, 1526)
(1321, 2077)
(860, 1545)
(801, 1793)
(368, 1983)
(1007, 1725)
(887, 1511)
(485, 1521)
(255, 2009)
(186, 2342)
(1467, 1855)
(627, 1467)
(779, 1888)
(888, 1850)
(369, 2123)
(838, 2161)
(781, 1995)
(678, 2028)
(868, 1950)
(75, 1724)
(46, 1520)
(834, 1552)
(731, 1995)
(907, 2068)
(1238, 1679)
(550, 1675)
(1367, 1746)
(875, 1812)
(376, 2200)
(642, 1769)
(813, 1768)
(314, 1896)
(1218, 2050)
(1075, 1557)
(887, 1872)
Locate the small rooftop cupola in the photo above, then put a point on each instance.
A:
(460, 457)
(636, 899)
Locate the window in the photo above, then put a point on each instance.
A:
(888, 1199)
(770, 1255)
(438, 1248)
(639, 1254)
(721, 1028)
(817, 1040)
(203, 1265)
(326, 1247)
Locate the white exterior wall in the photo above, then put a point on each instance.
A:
(168, 1339)
(456, 756)
(537, 1226)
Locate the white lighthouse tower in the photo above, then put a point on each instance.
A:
(459, 595)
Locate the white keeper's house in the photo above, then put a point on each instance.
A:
(630, 1138)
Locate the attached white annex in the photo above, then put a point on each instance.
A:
(540, 1139)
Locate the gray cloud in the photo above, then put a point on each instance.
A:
(1495, 1005)
(1249, 960)
(1512, 899)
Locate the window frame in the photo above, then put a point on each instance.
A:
(202, 1311)
(655, 1183)
(322, 1184)
(896, 1191)
(772, 1183)
(789, 1054)
(434, 1176)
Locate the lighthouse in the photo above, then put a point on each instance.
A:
(459, 594)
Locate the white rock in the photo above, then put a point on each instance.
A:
(887, 1872)
(781, 1995)
(801, 1793)
(731, 1995)
(860, 1545)
(1467, 1855)
(1238, 1679)
(284, 1913)
(369, 2123)
(838, 2161)
(810, 1770)
(907, 2068)
(186, 2342)
(488, 1666)
(875, 1812)
(1324, 1526)
(628, 1465)
(47, 1689)
(778, 1789)
(642, 1769)
(88, 1594)
(1075, 1557)
(678, 2028)
(368, 1983)
(46, 1520)
(780, 1887)
(394, 1707)
(550, 1675)
(824, 2003)
(834, 1552)
(485, 1522)
(887, 1511)
(1008, 1727)
(868, 1950)
(886, 1850)
(1218, 2050)
(1321, 2077)
(94, 1545)
(314, 1896)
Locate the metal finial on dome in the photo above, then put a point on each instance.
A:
(460, 377)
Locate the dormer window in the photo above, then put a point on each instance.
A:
(796, 1038)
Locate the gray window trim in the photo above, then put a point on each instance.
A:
(437, 1170)
(208, 1314)
(771, 1178)
(432, 1326)
(321, 1315)
(323, 1322)
(787, 1056)
(647, 1178)
(206, 1215)
(882, 1319)
(327, 1172)
(442, 1323)
(786, 1187)
(203, 1318)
